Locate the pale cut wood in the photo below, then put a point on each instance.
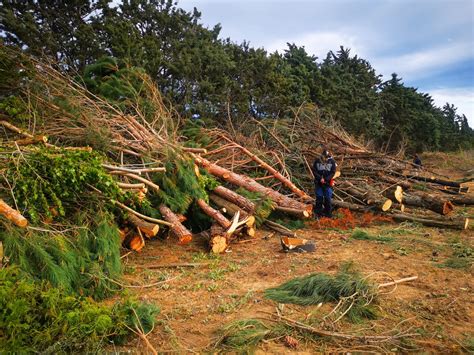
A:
(13, 215)
(149, 229)
(231, 209)
(32, 140)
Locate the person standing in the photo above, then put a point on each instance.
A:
(417, 161)
(324, 168)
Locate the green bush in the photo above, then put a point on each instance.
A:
(36, 317)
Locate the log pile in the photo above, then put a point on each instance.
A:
(366, 180)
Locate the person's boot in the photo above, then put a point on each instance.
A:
(318, 207)
(328, 208)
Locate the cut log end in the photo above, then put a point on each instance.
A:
(136, 243)
(386, 205)
(448, 207)
(13, 215)
(466, 223)
(185, 239)
(218, 244)
(398, 194)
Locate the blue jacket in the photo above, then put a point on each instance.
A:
(324, 169)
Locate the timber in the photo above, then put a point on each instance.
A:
(251, 185)
(214, 214)
(370, 198)
(461, 200)
(177, 229)
(231, 209)
(394, 192)
(235, 198)
(32, 140)
(460, 223)
(433, 203)
(293, 212)
(13, 215)
(218, 241)
(149, 229)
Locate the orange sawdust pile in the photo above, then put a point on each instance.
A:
(345, 219)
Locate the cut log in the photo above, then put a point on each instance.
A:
(231, 209)
(293, 212)
(395, 193)
(399, 206)
(252, 185)
(13, 215)
(177, 229)
(406, 185)
(461, 223)
(433, 203)
(280, 228)
(462, 200)
(351, 206)
(214, 214)
(195, 150)
(235, 198)
(136, 177)
(149, 229)
(135, 242)
(368, 197)
(218, 241)
(434, 180)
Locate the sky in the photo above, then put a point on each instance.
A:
(428, 43)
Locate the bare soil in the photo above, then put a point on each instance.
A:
(197, 302)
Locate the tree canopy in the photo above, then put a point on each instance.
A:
(216, 79)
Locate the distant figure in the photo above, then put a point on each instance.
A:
(417, 161)
(324, 168)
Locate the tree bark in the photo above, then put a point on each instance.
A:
(235, 198)
(352, 206)
(252, 185)
(434, 180)
(178, 230)
(214, 214)
(231, 209)
(149, 229)
(218, 241)
(368, 197)
(395, 193)
(461, 223)
(433, 203)
(462, 200)
(13, 215)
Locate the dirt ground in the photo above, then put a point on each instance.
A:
(196, 302)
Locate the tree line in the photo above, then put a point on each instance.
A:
(215, 79)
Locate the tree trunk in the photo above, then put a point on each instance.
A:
(149, 229)
(178, 230)
(279, 228)
(433, 203)
(434, 180)
(235, 198)
(293, 212)
(461, 223)
(352, 206)
(252, 185)
(462, 200)
(231, 209)
(395, 193)
(368, 197)
(406, 185)
(214, 214)
(218, 241)
(12, 214)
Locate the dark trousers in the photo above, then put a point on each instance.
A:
(323, 205)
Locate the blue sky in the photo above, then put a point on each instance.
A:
(429, 43)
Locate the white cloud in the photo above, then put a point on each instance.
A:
(423, 63)
(462, 98)
(320, 43)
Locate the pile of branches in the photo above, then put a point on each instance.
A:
(280, 154)
(127, 160)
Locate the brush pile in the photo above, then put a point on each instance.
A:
(280, 153)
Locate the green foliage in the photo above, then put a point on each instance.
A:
(263, 205)
(179, 186)
(244, 333)
(360, 234)
(49, 181)
(36, 317)
(15, 108)
(461, 258)
(320, 287)
(84, 261)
